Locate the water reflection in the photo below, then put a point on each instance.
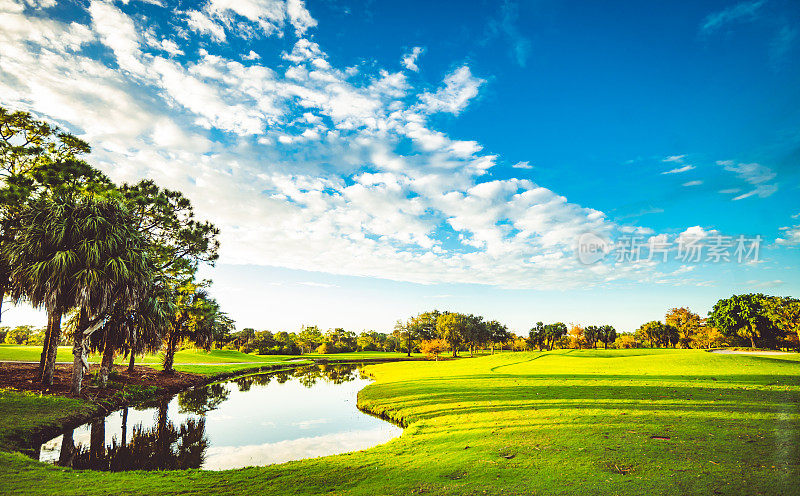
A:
(253, 420)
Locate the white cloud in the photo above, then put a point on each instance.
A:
(410, 59)
(299, 17)
(460, 86)
(203, 24)
(757, 175)
(522, 165)
(251, 56)
(738, 12)
(693, 183)
(678, 170)
(791, 234)
(307, 166)
(675, 158)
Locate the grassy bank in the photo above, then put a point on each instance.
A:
(582, 422)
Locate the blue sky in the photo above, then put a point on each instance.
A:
(370, 160)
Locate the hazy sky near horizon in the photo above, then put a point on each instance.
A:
(366, 161)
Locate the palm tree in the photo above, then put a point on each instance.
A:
(196, 318)
(81, 253)
(43, 256)
(133, 327)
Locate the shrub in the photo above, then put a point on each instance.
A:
(433, 347)
(326, 348)
(626, 341)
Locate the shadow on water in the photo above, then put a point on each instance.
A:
(172, 433)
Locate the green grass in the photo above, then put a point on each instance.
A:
(580, 422)
(24, 353)
(21, 412)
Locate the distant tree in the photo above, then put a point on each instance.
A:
(19, 335)
(607, 334)
(659, 334)
(626, 341)
(592, 335)
(784, 314)
(195, 318)
(537, 336)
(577, 337)
(687, 322)
(476, 332)
(708, 336)
(452, 327)
(309, 338)
(498, 334)
(553, 333)
(433, 347)
(745, 316)
(520, 344)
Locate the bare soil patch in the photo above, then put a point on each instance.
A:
(21, 376)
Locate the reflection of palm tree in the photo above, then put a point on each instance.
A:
(97, 442)
(124, 425)
(67, 449)
(163, 447)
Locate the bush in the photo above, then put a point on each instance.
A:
(326, 348)
(434, 347)
(626, 341)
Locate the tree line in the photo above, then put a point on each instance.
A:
(114, 265)
(751, 320)
(309, 339)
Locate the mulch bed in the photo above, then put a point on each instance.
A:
(21, 376)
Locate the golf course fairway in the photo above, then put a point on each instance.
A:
(572, 422)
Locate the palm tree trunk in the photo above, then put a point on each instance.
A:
(77, 353)
(169, 354)
(108, 360)
(46, 348)
(50, 361)
(133, 353)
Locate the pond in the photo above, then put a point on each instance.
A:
(254, 420)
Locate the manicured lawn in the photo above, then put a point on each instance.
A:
(582, 422)
(24, 353)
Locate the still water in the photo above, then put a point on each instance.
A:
(255, 420)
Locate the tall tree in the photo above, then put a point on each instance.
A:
(744, 316)
(607, 334)
(77, 253)
(452, 327)
(554, 332)
(33, 154)
(784, 312)
(498, 334)
(592, 335)
(687, 322)
(476, 332)
(196, 319)
(167, 220)
(537, 336)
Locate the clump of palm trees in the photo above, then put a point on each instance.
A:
(119, 262)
